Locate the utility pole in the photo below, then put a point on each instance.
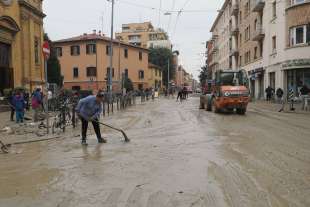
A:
(110, 81)
(168, 86)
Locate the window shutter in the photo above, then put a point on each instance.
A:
(71, 50)
(87, 49)
(78, 49)
(308, 33)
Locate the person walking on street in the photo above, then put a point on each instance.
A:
(304, 93)
(12, 108)
(89, 110)
(19, 105)
(279, 94)
(36, 102)
(269, 92)
(180, 95)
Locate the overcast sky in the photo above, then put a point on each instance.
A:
(188, 33)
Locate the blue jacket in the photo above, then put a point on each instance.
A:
(88, 108)
(38, 96)
(19, 103)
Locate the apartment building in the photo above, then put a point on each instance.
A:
(85, 62)
(221, 40)
(251, 43)
(21, 38)
(271, 40)
(144, 35)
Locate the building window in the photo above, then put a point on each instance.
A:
(299, 35)
(247, 33)
(126, 53)
(126, 73)
(75, 50)
(274, 44)
(91, 49)
(261, 48)
(274, 9)
(76, 88)
(36, 50)
(294, 2)
(255, 53)
(156, 72)
(141, 74)
(91, 72)
(240, 61)
(247, 57)
(75, 72)
(140, 55)
(108, 72)
(58, 51)
(108, 50)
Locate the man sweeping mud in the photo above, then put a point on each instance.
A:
(89, 110)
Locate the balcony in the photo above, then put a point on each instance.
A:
(258, 5)
(258, 34)
(235, 9)
(214, 37)
(234, 31)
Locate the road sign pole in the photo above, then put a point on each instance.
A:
(46, 96)
(46, 53)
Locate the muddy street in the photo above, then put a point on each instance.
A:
(178, 156)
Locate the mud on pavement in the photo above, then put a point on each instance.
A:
(178, 156)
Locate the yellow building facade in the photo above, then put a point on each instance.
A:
(155, 77)
(21, 39)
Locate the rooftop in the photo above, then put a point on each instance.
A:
(93, 37)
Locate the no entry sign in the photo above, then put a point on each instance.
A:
(46, 50)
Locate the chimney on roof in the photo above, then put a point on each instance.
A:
(94, 31)
(85, 34)
(99, 32)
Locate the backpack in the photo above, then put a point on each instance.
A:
(34, 102)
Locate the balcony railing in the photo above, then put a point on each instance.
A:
(258, 5)
(258, 34)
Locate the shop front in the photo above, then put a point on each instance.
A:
(256, 77)
(297, 74)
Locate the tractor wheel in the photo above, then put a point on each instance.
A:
(216, 110)
(241, 111)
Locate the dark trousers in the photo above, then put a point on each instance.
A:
(85, 127)
(12, 113)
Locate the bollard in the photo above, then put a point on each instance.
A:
(63, 119)
(73, 117)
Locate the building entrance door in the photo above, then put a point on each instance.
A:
(253, 89)
(6, 73)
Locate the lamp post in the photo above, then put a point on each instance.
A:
(110, 81)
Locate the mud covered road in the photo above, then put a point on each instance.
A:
(179, 157)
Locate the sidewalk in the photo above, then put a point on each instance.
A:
(275, 107)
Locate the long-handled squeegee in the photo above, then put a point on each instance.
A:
(111, 127)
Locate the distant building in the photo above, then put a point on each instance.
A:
(155, 77)
(85, 62)
(144, 35)
(159, 43)
(21, 39)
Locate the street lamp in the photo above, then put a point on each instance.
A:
(110, 81)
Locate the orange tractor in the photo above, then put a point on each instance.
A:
(229, 92)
